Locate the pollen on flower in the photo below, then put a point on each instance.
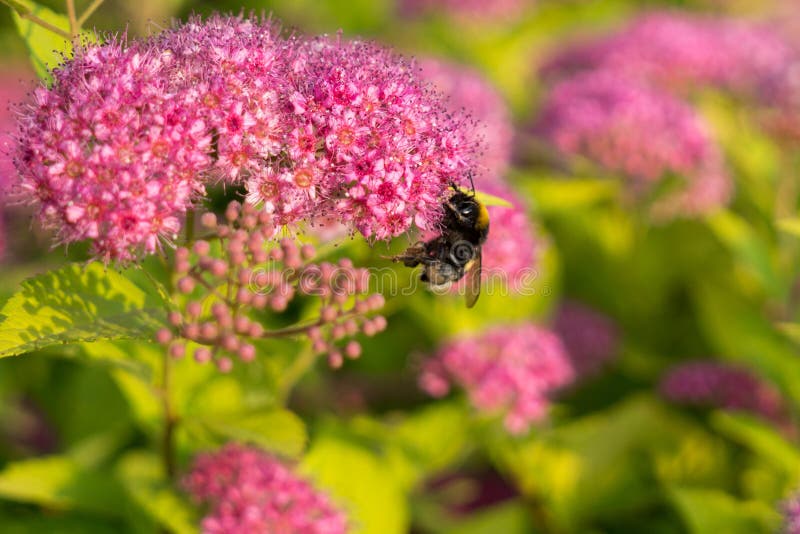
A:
(249, 491)
(511, 370)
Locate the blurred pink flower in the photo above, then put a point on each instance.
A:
(591, 339)
(251, 492)
(681, 51)
(641, 132)
(508, 369)
(707, 383)
(467, 90)
(791, 514)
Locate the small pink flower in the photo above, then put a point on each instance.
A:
(508, 369)
(251, 492)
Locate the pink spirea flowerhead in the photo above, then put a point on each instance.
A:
(643, 133)
(233, 70)
(473, 10)
(113, 151)
(512, 370)
(680, 51)
(466, 89)
(712, 384)
(368, 141)
(591, 338)
(248, 491)
(128, 135)
(791, 514)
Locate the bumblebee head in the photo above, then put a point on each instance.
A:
(469, 212)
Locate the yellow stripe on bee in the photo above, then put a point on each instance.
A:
(483, 217)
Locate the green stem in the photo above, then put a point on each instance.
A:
(189, 228)
(294, 372)
(170, 420)
(73, 21)
(89, 12)
(26, 14)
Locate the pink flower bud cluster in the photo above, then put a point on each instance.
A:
(475, 10)
(129, 133)
(641, 132)
(791, 514)
(680, 51)
(251, 492)
(591, 339)
(512, 370)
(224, 289)
(718, 385)
(467, 89)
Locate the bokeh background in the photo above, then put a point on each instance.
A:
(650, 150)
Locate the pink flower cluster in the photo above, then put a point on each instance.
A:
(508, 369)
(641, 132)
(367, 141)
(718, 385)
(467, 89)
(254, 273)
(591, 339)
(497, 10)
(123, 143)
(251, 492)
(113, 152)
(680, 51)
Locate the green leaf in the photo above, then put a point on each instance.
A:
(77, 304)
(790, 226)
(761, 438)
(280, 431)
(509, 518)
(60, 482)
(707, 510)
(142, 475)
(563, 194)
(47, 49)
(490, 200)
(747, 248)
(358, 481)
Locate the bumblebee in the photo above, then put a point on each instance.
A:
(456, 252)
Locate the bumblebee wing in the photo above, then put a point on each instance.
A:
(473, 275)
